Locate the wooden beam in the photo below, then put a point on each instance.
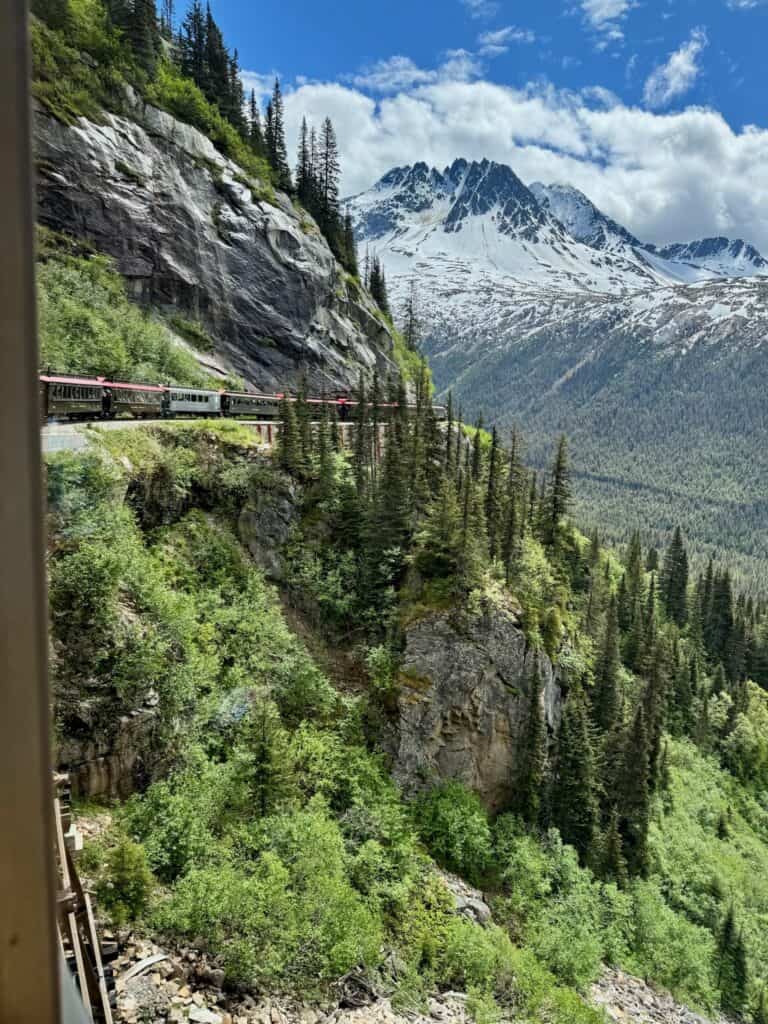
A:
(28, 966)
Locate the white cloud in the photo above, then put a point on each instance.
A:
(261, 84)
(745, 5)
(498, 41)
(397, 73)
(678, 74)
(481, 8)
(605, 17)
(650, 171)
(391, 75)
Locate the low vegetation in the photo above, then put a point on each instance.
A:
(88, 325)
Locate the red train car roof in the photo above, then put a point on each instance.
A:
(55, 379)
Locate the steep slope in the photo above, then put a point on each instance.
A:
(193, 235)
(560, 319)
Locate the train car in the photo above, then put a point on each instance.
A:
(259, 407)
(441, 413)
(142, 401)
(70, 397)
(181, 401)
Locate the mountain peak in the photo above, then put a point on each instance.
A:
(580, 217)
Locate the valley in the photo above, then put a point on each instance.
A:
(536, 309)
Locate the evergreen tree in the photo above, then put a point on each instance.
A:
(55, 13)
(477, 450)
(143, 33)
(266, 747)
(328, 170)
(732, 975)
(192, 46)
(304, 422)
(378, 285)
(439, 541)
(289, 453)
(167, 19)
(275, 139)
(673, 584)
(559, 495)
(412, 326)
(349, 247)
(633, 794)
(607, 700)
(361, 456)
(493, 504)
(614, 862)
(574, 804)
(530, 783)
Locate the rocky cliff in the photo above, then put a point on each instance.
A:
(193, 235)
(463, 702)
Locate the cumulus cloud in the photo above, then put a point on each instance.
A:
(650, 171)
(397, 73)
(498, 41)
(259, 83)
(605, 17)
(675, 77)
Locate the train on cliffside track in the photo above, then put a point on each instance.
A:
(72, 397)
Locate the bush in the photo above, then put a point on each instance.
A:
(87, 324)
(126, 883)
(454, 825)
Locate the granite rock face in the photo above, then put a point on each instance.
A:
(194, 236)
(265, 523)
(463, 702)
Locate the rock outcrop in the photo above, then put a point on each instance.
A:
(462, 704)
(192, 234)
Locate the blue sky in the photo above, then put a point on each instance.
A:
(655, 108)
(574, 45)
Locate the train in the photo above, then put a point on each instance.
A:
(73, 397)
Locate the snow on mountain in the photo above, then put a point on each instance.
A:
(479, 219)
(541, 310)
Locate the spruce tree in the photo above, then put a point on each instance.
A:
(289, 454)
(265, 766)
(349, 247)
(493, 506)
(574, 802)
(558, 499)
(144, 34)
(275, 140)
(673, 584)
(328, 170)
(732, 974)
(614, 862)
(607, 700)
(55, 13)
(633, 794)
(530, 784)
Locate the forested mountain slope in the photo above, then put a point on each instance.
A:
(538, 309)
(630, 828)
(194, 203)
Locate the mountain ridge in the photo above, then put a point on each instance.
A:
(649, 357)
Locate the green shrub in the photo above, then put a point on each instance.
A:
(454, 825)
(126, 883)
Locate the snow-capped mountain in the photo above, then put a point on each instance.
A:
(539, 308)
(480, 216)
